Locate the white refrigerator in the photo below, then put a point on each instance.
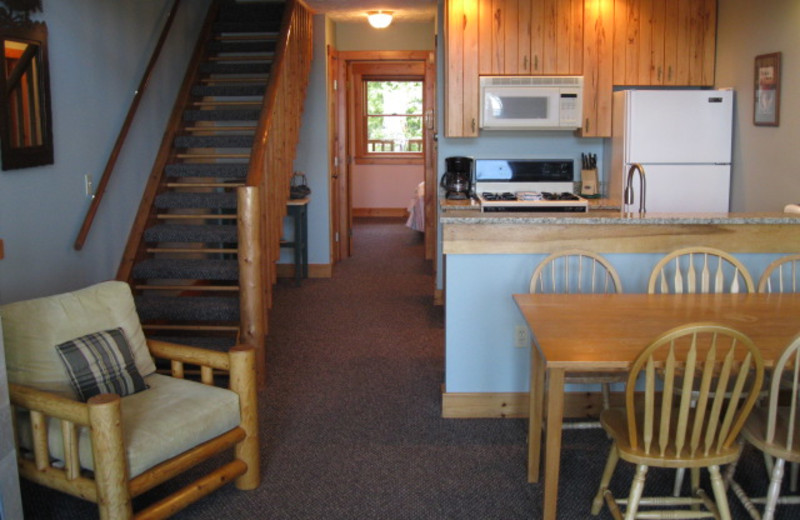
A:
(682, 138)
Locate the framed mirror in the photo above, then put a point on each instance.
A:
(26, 130)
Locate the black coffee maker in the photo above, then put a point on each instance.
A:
(457, 179)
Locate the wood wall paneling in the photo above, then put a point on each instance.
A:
(598, 49)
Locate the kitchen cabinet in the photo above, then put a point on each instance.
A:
(461, 68)
(530, 37)
(609, 42)
(660, 42)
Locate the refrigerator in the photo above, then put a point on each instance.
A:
(682, 139)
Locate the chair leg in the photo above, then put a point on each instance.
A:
(719, 493)
(774, 489)
(606, 389)
(611, 464)
(637, 488)
(676, 489)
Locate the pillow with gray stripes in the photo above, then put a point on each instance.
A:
(101, 363)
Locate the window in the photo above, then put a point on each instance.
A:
(393, 117)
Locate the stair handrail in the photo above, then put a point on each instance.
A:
(97, 197)
(277, 134)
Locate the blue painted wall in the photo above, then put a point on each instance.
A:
(481, 316)
(98, 53)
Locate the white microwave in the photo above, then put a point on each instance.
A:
(531, 102)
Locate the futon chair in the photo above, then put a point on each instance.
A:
(95, 420)
(700, 383)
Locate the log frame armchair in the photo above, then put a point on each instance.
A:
(110, 449)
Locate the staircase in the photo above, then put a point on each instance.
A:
(183, 258)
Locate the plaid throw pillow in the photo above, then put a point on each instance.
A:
(100, 363)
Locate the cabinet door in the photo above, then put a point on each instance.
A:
(461, 68)
(504, 36)
(598, 46)
(562, 22)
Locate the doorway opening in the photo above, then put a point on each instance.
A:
(383, 128)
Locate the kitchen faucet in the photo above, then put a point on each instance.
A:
(642, 187)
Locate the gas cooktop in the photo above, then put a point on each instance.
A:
(532, 201)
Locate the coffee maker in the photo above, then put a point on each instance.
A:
(457, 179)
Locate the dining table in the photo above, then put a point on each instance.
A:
(579, 333)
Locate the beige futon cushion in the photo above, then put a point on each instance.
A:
(33, 328)
(170, 417)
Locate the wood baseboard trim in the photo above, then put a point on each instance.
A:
(512, 405)
(380, 212)
(314, 270)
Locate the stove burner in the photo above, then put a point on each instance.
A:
(498, 196)
(546, 195)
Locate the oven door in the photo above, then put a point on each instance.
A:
(519, 108)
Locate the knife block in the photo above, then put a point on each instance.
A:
(589, 182)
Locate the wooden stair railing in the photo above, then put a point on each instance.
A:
(123, 133)
(277, 134)
(262, 196)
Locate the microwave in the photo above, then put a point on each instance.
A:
(531, 102)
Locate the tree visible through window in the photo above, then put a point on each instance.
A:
(393, 117)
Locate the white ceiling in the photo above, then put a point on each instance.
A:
(356, 10)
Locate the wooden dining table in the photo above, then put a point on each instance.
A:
(604, 332)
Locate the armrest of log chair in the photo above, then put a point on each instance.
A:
(110, 484)
(240, 363)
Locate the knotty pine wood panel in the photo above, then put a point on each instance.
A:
(524, 32)
(644, 68)
(598, 48)
(684, 42)
(537, 36)
(709, 42)
(461, 71)
(471, 105)
(618, 238)
(658, 10)
(670, 43)
(485, 47)
(510, 16)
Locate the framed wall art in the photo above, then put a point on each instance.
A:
(767, 88)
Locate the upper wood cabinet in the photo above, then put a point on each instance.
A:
(609, 42)
(664, 42)
(461, 104)
(530, 37)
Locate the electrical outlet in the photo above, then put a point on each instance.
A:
(521, 339)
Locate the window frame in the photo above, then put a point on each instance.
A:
(384, 71)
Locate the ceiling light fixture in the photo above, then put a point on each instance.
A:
(379, 19)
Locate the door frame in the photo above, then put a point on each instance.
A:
(341, 160)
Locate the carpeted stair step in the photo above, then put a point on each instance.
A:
(254, 67)
(251, 89)
(209, 234)
(220, 170)
(187, 308)
(242, 46)
(186, 269)
(222, 115)
(214, 141)
(185, 200)
(233, 11)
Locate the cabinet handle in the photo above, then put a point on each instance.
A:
(525, 63)
(587, 125)
(536, 62)
(659, 73)
(473, 125)
(669, 73)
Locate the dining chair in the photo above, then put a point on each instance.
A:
(775, 430)
(719, 272)
(719, 373)
(781, 276)
(699, 270)
(578, 271)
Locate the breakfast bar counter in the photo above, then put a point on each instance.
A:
(470, 231)
(487, 257)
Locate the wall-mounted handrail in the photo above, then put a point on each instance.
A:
(123, 133)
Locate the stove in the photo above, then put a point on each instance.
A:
(527, 185)
(532, 201)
